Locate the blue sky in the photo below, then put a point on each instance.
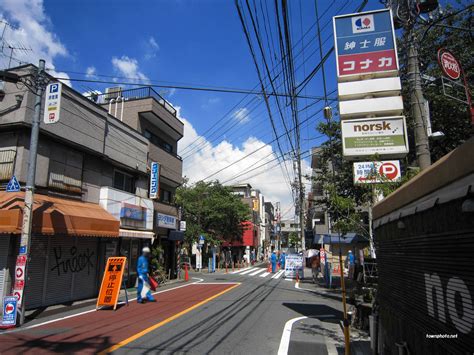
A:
(189, 42)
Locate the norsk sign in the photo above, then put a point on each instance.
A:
(385, 136)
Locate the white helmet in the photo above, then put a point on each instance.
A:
(146, 250)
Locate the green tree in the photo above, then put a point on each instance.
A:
(293, 239)
(453, 31)
(211, 209)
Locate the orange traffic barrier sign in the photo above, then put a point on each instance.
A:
(111, 282)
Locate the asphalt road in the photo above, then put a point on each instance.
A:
(249, 319)
(247, 312)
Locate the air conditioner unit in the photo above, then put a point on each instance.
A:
(113, 93)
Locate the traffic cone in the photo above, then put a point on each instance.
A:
(269, 268)
(186, 275)
(297, 277)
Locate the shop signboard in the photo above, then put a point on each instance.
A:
(373, 172)
(154, 180)
(134, 212)
(10, 308)
(365, 44)
(52, 105)
(385, 136)
(19, 285)
(111, 282)
(294, 264)
(166, 221)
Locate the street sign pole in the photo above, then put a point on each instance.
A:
(25, 241)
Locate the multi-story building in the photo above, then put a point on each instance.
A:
(92, 188)
(289, 226)
(144, 110)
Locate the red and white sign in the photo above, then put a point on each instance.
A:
(322, 255)
(377, 172)
(449, 64)
(19, 284)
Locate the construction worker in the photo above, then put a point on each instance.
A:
(282, 260)
(143, 270)
(273, 260)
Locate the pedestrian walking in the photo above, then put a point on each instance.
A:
(351, 263)
(315, 265)
(143, 270)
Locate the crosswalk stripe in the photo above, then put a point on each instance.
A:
(248, 271)
(257, 272)
(265, 274)
(278, 274)
(238, 271)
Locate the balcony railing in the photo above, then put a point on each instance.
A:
(135, 94)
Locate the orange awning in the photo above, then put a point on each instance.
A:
(54, 215)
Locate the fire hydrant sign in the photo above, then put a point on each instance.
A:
(112, 281)
(10, 307)
(365, 44)
(373, 172)
(52, 104)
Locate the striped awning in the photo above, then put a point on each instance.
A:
(132, 233)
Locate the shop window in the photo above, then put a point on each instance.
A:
(124, 181)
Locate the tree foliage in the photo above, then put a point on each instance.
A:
(211, 209)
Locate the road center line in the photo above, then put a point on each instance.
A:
(163, 322)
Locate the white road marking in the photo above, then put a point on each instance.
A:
(257, 272)
(238, 271)
(265, 274)
(248, 271)
(278, 274)
(285, 336)
(93, 310)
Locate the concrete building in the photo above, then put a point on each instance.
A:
(92, 186)
(289, 226)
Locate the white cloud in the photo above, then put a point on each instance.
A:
(31, 28)
(128, 67)
(152, 48)
(242, 115)
(270, 179)
(90, 72)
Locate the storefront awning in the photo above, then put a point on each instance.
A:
(54, 215)
(130, 233)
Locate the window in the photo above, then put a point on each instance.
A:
(282, 224)
(165, 196)
(319, 218)
(124, 181)
(294, 225)
(153, 138)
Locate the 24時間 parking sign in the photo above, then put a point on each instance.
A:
(365, 44)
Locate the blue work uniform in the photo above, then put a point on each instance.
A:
(282, 260)
(273, 260)
(351, 258)
(142, 271)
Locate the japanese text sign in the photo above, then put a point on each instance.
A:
(110, 287)
(376, 172)
(52, 105)
(10, 308)
(365, 43)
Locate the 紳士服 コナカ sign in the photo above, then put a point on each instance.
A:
(52, 104)
(129, 211)
(365, 44)
(111, 282)
(154, 180)
(364, 137)
(10, 307)
(373, 172)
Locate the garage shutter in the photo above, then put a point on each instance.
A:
(36, 271)
(85, 280)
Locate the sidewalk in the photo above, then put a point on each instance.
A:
(33, 316)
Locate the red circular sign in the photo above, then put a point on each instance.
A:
(389, 170)
(9, 308)
(449, 64)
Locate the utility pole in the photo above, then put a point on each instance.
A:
(25, 241)
(417, 103)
